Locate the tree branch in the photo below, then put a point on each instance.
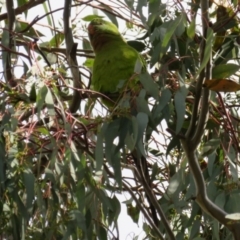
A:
(190, 143)
(71, 56)
(142, 209)
(22, 8)
(7, 43)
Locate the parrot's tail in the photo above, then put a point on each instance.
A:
(141, 164)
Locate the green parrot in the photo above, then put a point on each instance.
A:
(115, 60)
(113, 72)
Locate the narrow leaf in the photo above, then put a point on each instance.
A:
(179, 100)
(191, 29)
(170, 31)
(148, 84)
(224, 70)
(29, 180)
(207, 51)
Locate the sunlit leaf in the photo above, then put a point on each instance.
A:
(191, 29)
(233, 216)
(221, 85)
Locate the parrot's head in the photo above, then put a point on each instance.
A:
(102, 32)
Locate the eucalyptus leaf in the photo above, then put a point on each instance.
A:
(224, 70)
(179, 100)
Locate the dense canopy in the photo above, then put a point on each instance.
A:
(71, 165)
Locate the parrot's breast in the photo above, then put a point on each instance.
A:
(113, 65)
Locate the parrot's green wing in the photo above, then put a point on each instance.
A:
(113, 65)
(114, 59)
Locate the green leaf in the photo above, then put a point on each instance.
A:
(142, 119)
(2, 162)
(181, 26)
(89, 18)
(231, 155)
(148, 84)
(133, 212)
(33, 94)
(50, 103)
(52, 58)
(102, 233)
(163, 101)
(21, 2)
(99, 148)
(179, 100)
(129, 3)
(110, 135)
(116, 209)
(220, 200)
(112, 152)
(29, 180)
(155, 171)
(212, 190)
(110, 13)
(139, 8)
(74, 151)
(208, 50)
(41, 97)
(80, 193)
(233, 170)
(132, 136)
(21, 208)
(195, 229)
(15, 222)
(125, 128)
(194, 213)
(142, 103)
(224, 70)
(56, 40)
(210, 165)
(175, 142)
(138, 67)
(191, 29)
(232, 204)
(210, 146)
(49, 19)
(155, 55)
(173, 187)
(139, 46)
(86, 44)
(5, 43)
(170, 30)
(226, 51)
(154, 6)
(79, 218)
(116, 164)
(89, 63)
(102, 195)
